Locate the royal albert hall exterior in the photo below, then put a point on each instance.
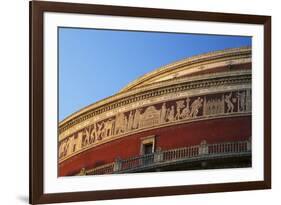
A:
(192, 114)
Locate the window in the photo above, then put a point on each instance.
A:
(148, 148)
(147, 145)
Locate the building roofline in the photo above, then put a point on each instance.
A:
(220, 54)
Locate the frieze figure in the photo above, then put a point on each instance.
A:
(180, 105)
(120, 123)
(248, 100)
(163, 113)
(230, 106)
(241, 101)
(195, 106)
(186, 111)
(88, 135)
(213, 106)
(63, 148)
(130, 121)
(136, 118)
(74, 143)
(108, 127)
(85, 136)
(71, 145)
(100, 130)
(171, 114)
(93, 134)
(150, 117)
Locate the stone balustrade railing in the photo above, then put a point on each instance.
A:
(200, 151)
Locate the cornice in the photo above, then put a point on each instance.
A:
(190, 62)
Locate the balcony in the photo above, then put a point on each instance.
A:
(174, 157)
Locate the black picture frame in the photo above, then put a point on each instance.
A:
(37, 9)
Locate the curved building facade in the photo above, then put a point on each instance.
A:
(191, 114)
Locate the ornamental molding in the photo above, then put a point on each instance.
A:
(193, 65)
(182, 107)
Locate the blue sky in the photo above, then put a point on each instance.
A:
(94, 64)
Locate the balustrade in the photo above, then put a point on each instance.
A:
(172, 155)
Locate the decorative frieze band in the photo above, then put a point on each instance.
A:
(177, 108)
(165, 89)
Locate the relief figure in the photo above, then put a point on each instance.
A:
(130, 121)
(100, 130)
(248, 100)
(241, 101)
(108, 127)
(171, 114)
(180, 105)
(136, 119)
(150, 117)
(63, 149)
(186, 110)
(163, 113)
(93, 134)
(195, 106)
(229, 104)
(120, 123)
(85, 137)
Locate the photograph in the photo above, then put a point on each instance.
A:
(129, 102)
(134, 101)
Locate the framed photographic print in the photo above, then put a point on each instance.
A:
(136, 102)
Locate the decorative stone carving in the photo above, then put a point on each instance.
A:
(100, 130)
(130, 121)
(136, 119)
(63, 148)
(120, 123)
(186, 111)
(163, 113)
(109, 127)
(248, 100)
(195, 106)
(230, 106)
(213, 106)
(150, 117)
(241, 101)
(69, 126)
(71, 145)
(171, 114)
(180, 105)
(85, 137)
(93, 134)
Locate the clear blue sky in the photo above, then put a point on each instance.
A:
(94, 64)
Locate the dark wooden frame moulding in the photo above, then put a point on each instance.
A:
(37, 8)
